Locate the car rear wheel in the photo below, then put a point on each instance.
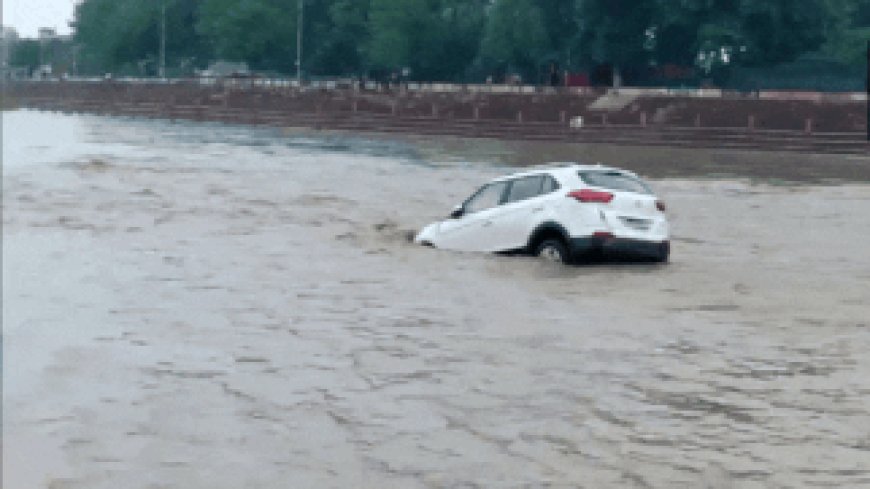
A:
(552, 250)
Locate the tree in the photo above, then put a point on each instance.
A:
(560, 22)
(515, 37)
(259, 32)
(758, 33)
(126, 33)
(436, 39)
(780, 30)
(848, 31)
(185, 47)
(25, 53)
(458, 39)
(461, 27)
(715, 34)
(616, 32)
(396, 30)
(341, 34)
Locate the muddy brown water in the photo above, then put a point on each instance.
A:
(207, 306)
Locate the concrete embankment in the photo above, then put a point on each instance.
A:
(675, 121)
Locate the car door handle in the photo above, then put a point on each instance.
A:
(537, 209)
(487, 223)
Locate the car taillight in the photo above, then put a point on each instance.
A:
(660, 205)
(587, 195)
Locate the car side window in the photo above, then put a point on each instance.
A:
(486, 198)
(550, 185)
(525, 188)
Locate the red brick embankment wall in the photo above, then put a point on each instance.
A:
(825, 126)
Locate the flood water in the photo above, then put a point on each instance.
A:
(206, 306)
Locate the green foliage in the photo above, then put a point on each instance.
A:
(848, 32)
(25, 54)
(515, 37)
(117, 33)
(458, 39)
(459, 26)
(776, 31)
(615, 31)
(397, 29)
(560, 20)
(850, 47)
(334, 41)
(260, 32)
(436, 39)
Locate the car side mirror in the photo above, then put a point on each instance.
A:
(458, 211)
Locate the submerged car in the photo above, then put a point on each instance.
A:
(563, 213)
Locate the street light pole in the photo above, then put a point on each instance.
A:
(301, 11)
(162, 68)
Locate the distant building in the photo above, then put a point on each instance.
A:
(56, 54)
(8, 38)
(47, 34)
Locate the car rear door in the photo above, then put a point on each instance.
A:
(524, 208)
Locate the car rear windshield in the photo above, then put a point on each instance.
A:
(613, 180)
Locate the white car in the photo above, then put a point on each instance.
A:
(560, 213)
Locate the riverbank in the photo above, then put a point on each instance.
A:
(671, 121)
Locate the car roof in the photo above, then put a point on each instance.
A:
(560, 169)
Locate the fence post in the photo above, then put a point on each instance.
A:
(808, 125)
(604, 119)
(697, 120)
(643, 119)
(751, 123)
(477, 112)
(434, 110)
(562, 116)
(355, 106)
(520, 116)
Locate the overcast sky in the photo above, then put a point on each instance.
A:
(27, 16)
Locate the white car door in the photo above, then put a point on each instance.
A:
(472, 230)
(524, 208)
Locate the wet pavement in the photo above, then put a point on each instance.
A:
(199, 305)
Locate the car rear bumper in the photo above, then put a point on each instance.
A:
(600, 245)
